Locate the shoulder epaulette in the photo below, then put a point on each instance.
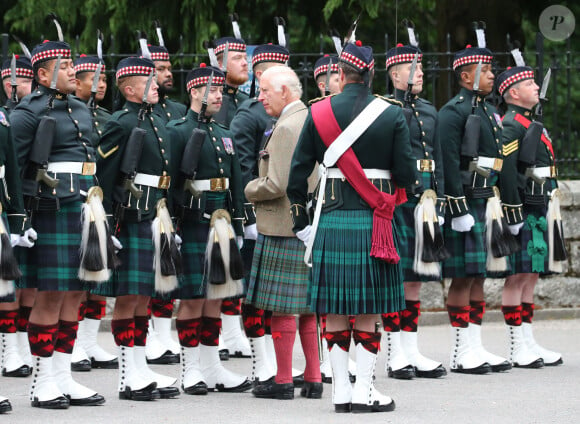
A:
(392, 101)
(317, 99)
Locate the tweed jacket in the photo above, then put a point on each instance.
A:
(268, 191)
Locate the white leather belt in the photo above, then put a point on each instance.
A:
(371, 173)
(156, 181)
(213, 184)
(425, 165)
(491, 163)
(82, 168)
(2, 171)
(544, 172)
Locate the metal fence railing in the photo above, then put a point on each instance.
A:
(561, 117)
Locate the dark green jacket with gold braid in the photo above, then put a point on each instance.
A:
(10, 181)
(516, 188)
(451, 127)
(155, 158)
(384, 145)
(218, 159)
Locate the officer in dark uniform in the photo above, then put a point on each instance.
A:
(134, 282)
(56, 214)
(469, 183)
(87, 353)
(402, 348)
(16, 350)
(250, 128)
(529, 190)
(346, 279)
(24, 77)
(217, 185)
(327, 82)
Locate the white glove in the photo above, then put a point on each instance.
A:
(116, 243)
(251, 232)
(515, 228)
(14, 239)
(240, 241)
(28, 238)
(441, 220)
(304, 234)
(463, 223)
(178, 241)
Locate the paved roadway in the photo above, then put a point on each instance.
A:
(549, 395)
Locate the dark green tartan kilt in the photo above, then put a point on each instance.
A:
(194, 242)
(521, 262)
(135, 275)
(346, 280)
(279, 278)
(21, 254)
(405, 219)
(52, 264)
(468, 249)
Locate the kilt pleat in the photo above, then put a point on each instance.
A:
(346, 280)
(194, 237)
(279, 278)
(467, 249)
(135, 274)
(405, 219)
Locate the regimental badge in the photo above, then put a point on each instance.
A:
(228, 145)
(4, 119)
(498, 120)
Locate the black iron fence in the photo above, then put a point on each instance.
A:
(561, 116)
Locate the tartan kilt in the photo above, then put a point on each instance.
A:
(346, 280)
(279, 278)
(194, 242)
(468, 249)
(405, 220)
(521, 262)
(135, 274)
(9, 297)
(52, 264)
(21, 254)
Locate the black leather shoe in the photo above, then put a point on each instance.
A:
(168, 392)
(341, 408)
(197, 389)
(503, 366)
(81, 366)
(484, 368)
(440, 371)
(257, 382)
(375, 407)
(244, 387)
(5, 406)
(538, 363)
(60, 402)
(147, 393)
(298, 380)
(95, 399)
(326, 379)
(274, 390)
(23, 371)
(405, 373)
(311, 390)
(167, 358)
(105, 365)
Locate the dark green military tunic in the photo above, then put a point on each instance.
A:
(523, 198)
(135, 275)
(345, 278)
(53, 262)
(100, 117)
(13, 214)
(218, 159)
(426, 147)
(168, 110)
(233, 98)
(466, 191)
